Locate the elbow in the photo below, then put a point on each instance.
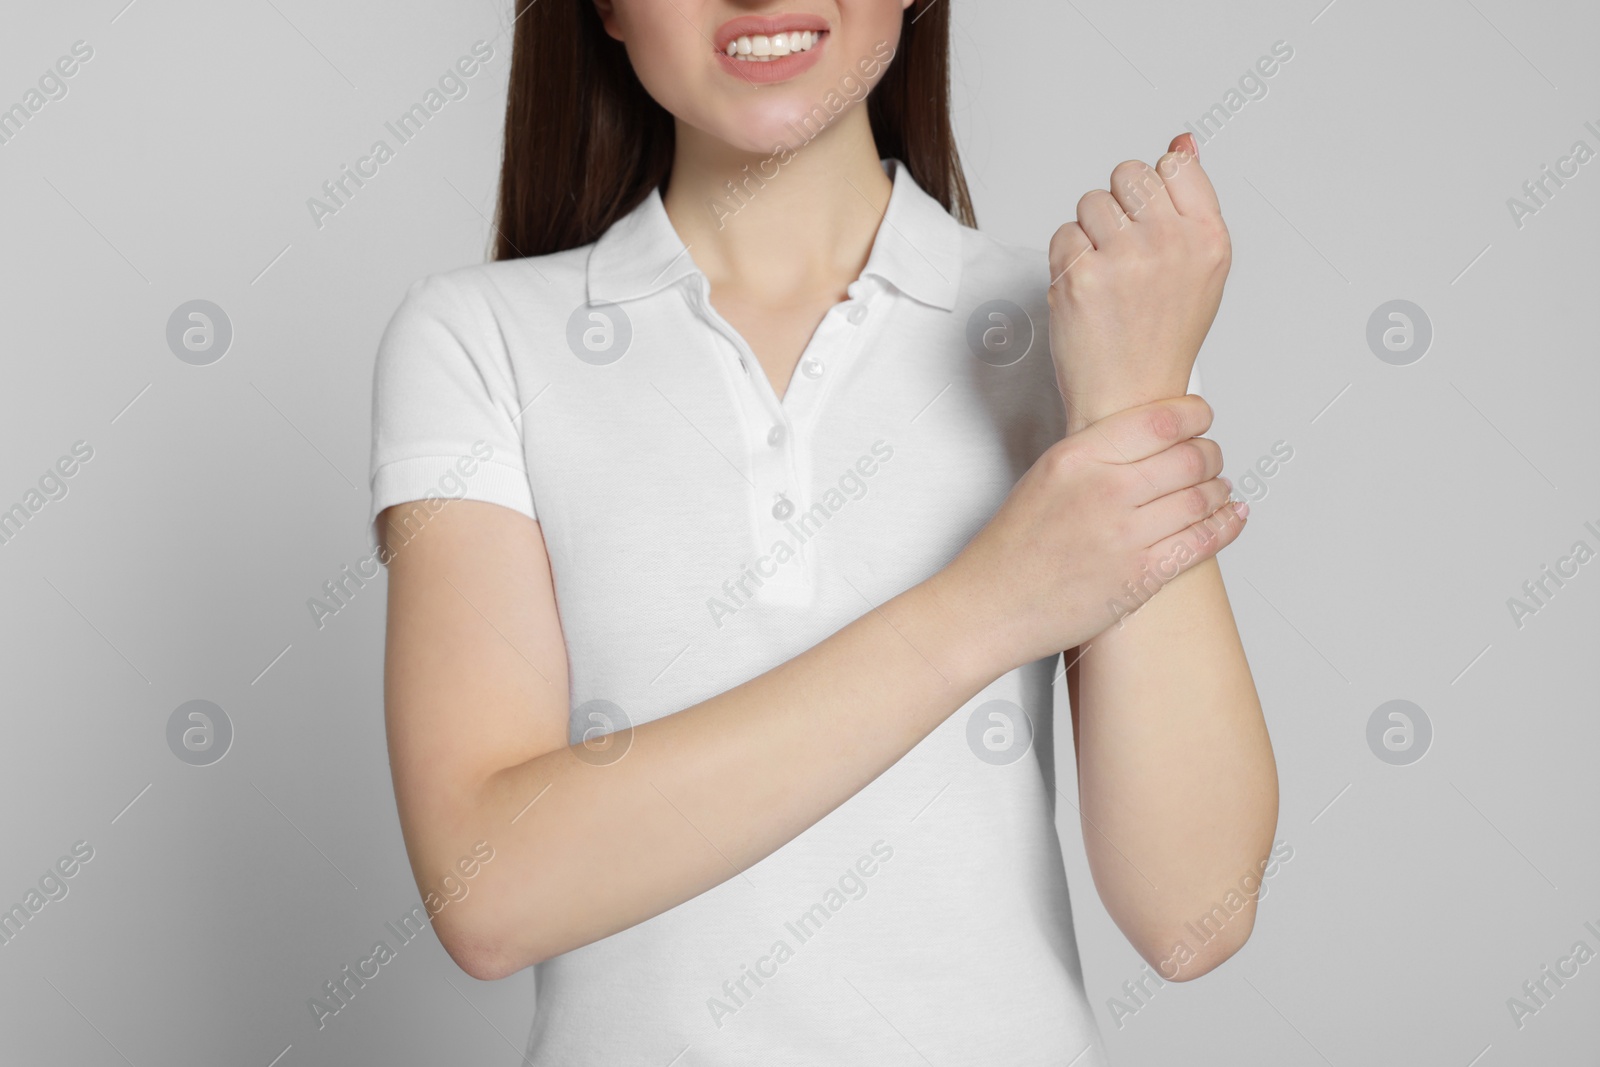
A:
(1187, 950)
(486, 955)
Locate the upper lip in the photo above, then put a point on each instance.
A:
(766, 25)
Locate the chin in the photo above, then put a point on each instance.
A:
(783, 121)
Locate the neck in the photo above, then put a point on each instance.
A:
(792, 219)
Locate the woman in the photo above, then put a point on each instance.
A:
(736, 657)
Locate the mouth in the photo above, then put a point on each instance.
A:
(766, 39)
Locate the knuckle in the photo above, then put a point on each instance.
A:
(1196, 503)
(1131, 173)
(1163, 423)
(1092, 200)
(1064, 244)
(1215, 246)
(1081, 275)
(1195, 461)
(1062, 460)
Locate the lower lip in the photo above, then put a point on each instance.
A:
(773, 70)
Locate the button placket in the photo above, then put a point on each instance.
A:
(780, 465)
(840, 338)
(770, 471)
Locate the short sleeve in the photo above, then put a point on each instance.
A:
(445, 417)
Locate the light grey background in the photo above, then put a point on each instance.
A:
(1377, 566)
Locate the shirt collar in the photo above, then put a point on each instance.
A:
(917, 249)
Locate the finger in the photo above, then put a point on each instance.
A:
(1185, 179)
(1137, 433)
(1140, 190)
(1175, 512)
(1200, 541)
(1100, 216)
(1185, 464)
(1068, 245)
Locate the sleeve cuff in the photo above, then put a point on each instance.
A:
(422, 477)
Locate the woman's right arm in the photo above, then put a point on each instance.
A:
(477, 700)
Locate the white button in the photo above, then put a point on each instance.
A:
(783, 508)
(857, 314)
(811, 368)
(775, 436)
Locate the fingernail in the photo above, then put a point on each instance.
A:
(1194, 145)
(1242, 509)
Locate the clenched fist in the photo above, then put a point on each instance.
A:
(1135, 284)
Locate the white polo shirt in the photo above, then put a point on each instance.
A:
(701, 531)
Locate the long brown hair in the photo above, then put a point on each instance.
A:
(584, 142)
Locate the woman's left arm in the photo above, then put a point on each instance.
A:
(1178, 789)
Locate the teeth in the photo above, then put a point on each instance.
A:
(761, 48)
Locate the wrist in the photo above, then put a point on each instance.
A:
(1091, 403)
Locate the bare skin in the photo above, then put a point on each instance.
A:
(1177, 786)
(1164, 700)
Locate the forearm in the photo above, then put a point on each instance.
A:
(706, 792)
(1177, 783)
(1176, 777)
